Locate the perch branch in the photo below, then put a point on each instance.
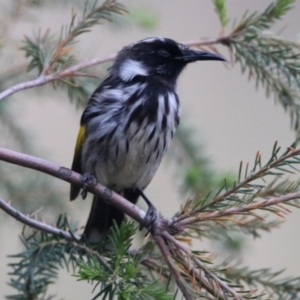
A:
(71, 71)
(35, 223)
(68, 175)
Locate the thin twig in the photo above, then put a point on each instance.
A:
(80, 246)
(152, 264)
(236, 187)
(70, 176)
(44, 79)
(223, 39)
(211, 291)
(239, 210)
(168, 258)
(35, 223)
(222, 284)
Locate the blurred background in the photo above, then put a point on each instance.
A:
(230, 119)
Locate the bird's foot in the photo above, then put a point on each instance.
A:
(151, 215)
(150, 218)
(89, 180)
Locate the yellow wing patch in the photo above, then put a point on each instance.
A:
(80, 139)
(76, 165)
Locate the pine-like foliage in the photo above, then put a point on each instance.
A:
(115, 271)
(50, 54)
(271, 61)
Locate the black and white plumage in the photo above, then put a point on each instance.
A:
(129, 122)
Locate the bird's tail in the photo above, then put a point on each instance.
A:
(103, 215)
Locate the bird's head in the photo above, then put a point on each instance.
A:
(160, 57)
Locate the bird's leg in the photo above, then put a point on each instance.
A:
(151, 215)
(89, 180)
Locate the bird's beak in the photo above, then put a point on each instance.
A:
(194, 55)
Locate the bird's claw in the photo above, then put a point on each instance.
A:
(89, 180)
(150, 219)
(151, 215)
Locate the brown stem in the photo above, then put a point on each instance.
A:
(81, 247)
(168, 258)
(68, 175)
(45, 78)
(211, 291)
(238, 186)
(239, 210)
(35, 223)
(223, 39)
(222, 284)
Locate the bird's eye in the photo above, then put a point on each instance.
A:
(163, 53)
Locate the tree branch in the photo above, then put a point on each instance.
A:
(162, 228)
(239, 185)
(197, 277)
(35, 223)
(168, 258)
(206, 270)
(238, 210)
(44, 79)
(68, 175)
(71, 71)
(106, 194)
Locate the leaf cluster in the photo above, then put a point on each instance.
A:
(252, 186)
(242, 200)
(123, 278)
(220, 9)
(116, 272)
(273, 62)
(267, 280)
(37, 266)
(49, 53)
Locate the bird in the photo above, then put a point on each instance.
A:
(129, 122)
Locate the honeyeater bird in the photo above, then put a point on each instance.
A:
(129, 122)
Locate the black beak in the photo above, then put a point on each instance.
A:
(194, 55)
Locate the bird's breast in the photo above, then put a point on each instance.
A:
(130, 151)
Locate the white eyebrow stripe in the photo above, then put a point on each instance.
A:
(131, 68)
(152, 39)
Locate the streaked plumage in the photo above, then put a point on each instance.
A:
(129, 122)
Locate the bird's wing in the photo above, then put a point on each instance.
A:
(87, 115)
(76, 165)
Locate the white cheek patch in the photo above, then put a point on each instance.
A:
(131, 68)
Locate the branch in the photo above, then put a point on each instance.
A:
(44, 79)
(167, 257)
(106, 194)
(162, 229)
(222, 39)
(80, 246)
(70, 176)
(206, 270)
(113, 199)
(238, 210)
(253, 176)
(71, 71)
(35, 223)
